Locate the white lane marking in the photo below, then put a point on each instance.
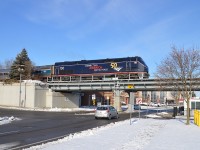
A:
(9, 132)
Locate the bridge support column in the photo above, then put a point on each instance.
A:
(131, 101)
(117, 100)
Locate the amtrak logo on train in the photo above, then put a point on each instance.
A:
(96, 68)
(115, 67)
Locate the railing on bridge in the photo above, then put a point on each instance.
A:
(60, 84)
(91, 78)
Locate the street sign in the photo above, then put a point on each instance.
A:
(130, 86)
(93, 96)
(138, 100)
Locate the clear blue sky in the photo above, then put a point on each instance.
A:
(65, 30)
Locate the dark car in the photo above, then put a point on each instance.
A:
(140, 106)
(137, 107)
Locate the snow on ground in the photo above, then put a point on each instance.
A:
(134, 134)
(83, 109)
(6, 120)
(55, 109)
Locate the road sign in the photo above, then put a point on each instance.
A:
(93, 96)
(130, 86)
(138, 100)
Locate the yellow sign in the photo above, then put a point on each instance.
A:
(130, 86)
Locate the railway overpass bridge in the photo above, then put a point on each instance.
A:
(130, 85)
(117, 86)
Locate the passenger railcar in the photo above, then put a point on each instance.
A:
(129, 67)
(4, 74)
(42, 72)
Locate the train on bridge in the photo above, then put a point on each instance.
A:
(110, 68)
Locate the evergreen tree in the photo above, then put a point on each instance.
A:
(22, 64)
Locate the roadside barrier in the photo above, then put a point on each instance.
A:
(197, 117)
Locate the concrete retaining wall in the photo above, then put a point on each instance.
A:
(62, 100)
(10, 95)
(34, 95)
(65, 100)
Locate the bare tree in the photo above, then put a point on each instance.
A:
(181, 71)
(1, 66)
(176, 95)
(8, 63)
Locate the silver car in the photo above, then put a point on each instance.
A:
(106, 111)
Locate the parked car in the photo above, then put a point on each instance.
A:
(155, 104)
(124, 106)
(106, 111)
(140, 106)
(181, 110)
(137, 107)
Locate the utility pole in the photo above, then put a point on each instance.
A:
(20, 69)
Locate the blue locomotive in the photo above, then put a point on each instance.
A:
(100, 69)
(121, 68)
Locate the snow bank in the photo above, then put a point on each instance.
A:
(6, 120)
(120, 135)
(142, 134)
(87, 109)
(134, 134)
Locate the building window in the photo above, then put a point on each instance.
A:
(195, 105)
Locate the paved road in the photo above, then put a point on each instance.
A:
(39, 127)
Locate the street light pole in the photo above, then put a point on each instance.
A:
(20, 84)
